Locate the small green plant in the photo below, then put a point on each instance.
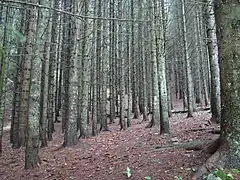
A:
(147, 178)
(236, 171)
(177, 178)
(127, 172)
(221, 175)
(224, 176)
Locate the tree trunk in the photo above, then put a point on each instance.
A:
(111, 62)
(155, 89)
(3, 68)
(164, 122)
(134, 68)
(187, 63)
(42, 21)
(214, 64)
(228, 34)
(123, 123)
(32, 134)
(17, 87)
(85, 78)
(94, 70)
(104, 72)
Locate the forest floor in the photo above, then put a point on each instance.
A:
(106, 156)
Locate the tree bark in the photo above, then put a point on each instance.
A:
(228, 34)
(32, 133)
(187, 63)
(214, 64)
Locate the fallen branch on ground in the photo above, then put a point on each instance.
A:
(208, 146)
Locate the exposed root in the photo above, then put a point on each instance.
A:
(211, 147)
(216, 161)
(215, 119)
(150, 124)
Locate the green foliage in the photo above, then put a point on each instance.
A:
(222, 175)
(127, 172)
(235, 171)
(177, 178)
(211, 177)
(147, 178)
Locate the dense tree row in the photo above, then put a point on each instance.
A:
(90, 63)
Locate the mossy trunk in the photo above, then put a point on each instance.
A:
(228, 35)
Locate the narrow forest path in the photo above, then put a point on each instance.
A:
(106, 156)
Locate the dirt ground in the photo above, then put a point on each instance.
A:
(106, 156)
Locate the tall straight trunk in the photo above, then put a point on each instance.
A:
(204, 91)
(228, 35)
(123, 123)
(155, 89)
(134, 68)
(214, 64)
(26, 78)
(32, 133)
(196, 68)
(181, 61)
(42, 20)
(148, 58)
(139, 57)
(129, 109)
(204, 58)
(59, 70)
(85, 77)
(64, 76)
(17, 87)
(111, 61)
(51, 69)
(94, 69)
(187, 61)
(54, 57)
(143, 63)
(59, 64)
(98, 58)
(3, 68)
(103, 89)
(79, 69)
(70, 82)
(176, 76)
(60, 81)
(161, 64)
